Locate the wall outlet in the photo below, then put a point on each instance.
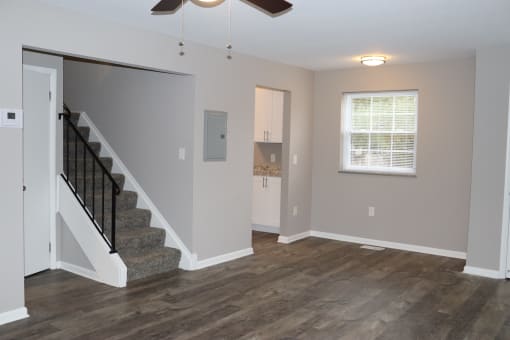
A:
(371, 211)
(295, 210)
(182, 153)
(273, 158)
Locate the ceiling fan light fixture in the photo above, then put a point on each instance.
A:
(373, 60)
(208, 3)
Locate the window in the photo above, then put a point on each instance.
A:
(379, 132)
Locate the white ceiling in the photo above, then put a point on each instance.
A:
(325, 34)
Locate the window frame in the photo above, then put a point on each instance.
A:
(345, 142)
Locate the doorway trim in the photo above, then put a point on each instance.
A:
(53, 157)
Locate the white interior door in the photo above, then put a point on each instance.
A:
(36, 170)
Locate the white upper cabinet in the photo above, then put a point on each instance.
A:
(268, 115)
(276, 130)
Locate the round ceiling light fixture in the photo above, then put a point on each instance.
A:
(208, 3)
(373, 60)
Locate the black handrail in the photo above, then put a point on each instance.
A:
(87, 149)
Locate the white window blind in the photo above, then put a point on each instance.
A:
(379, 132)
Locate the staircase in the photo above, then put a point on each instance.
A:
(140, 246)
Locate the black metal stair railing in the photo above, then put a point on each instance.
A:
(76, 151)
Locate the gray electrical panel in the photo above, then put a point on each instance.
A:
(215, 136)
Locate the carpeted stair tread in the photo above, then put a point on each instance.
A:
(75, 117)
(152, 262)
(106, 161)
(126, 200)
(140, 238)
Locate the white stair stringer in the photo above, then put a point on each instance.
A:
(109, 268)
(188, 260)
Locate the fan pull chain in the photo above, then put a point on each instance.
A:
(229, 29)
(181, 43)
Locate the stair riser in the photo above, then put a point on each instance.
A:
(98, 185)
(141, 220)
(152, 270)
(107, 162)
(77, 153)
(88, 172)
(123, 203)
(84, 131)
(147, 241)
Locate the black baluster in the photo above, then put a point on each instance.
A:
(67, 144)
(94, 188)
(102, 204)
(84, 174)
(113, 250)
(76, 161)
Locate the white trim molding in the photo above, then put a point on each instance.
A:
(490, 273)
(293, 238)
(13, 315)
(212, 261)
(77, 270)
(265, 228)
(392, 245)
(172, 239)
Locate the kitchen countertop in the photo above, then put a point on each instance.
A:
(266, 170)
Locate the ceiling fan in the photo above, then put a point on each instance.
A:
(271, 6)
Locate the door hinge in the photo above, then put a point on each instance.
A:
(49, 247)
(50, 95)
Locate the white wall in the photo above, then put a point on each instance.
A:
(146, 117)
(222, 191)
(488, 224)
(431, 209)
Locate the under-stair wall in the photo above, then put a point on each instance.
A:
(145, 118)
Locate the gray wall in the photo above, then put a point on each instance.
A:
(431, 209)
(221, 84)
(489, 207)
(145, 116)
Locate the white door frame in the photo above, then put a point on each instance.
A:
(53, 157)
(504, 262)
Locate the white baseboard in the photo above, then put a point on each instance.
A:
(265, 228)
(13, 315)
(492, 274)
(222, 258)
(293, 238)
(157, 220)
(392, 245)
(80, 271)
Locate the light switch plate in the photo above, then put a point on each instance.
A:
(294, 159)
(11, 118)
(273, 158)
(182, 153)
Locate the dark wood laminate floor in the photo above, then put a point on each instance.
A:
(312, 289)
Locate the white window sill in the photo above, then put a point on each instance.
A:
(375, 172)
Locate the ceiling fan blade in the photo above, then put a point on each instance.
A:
(167, 6)
(272, 6)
